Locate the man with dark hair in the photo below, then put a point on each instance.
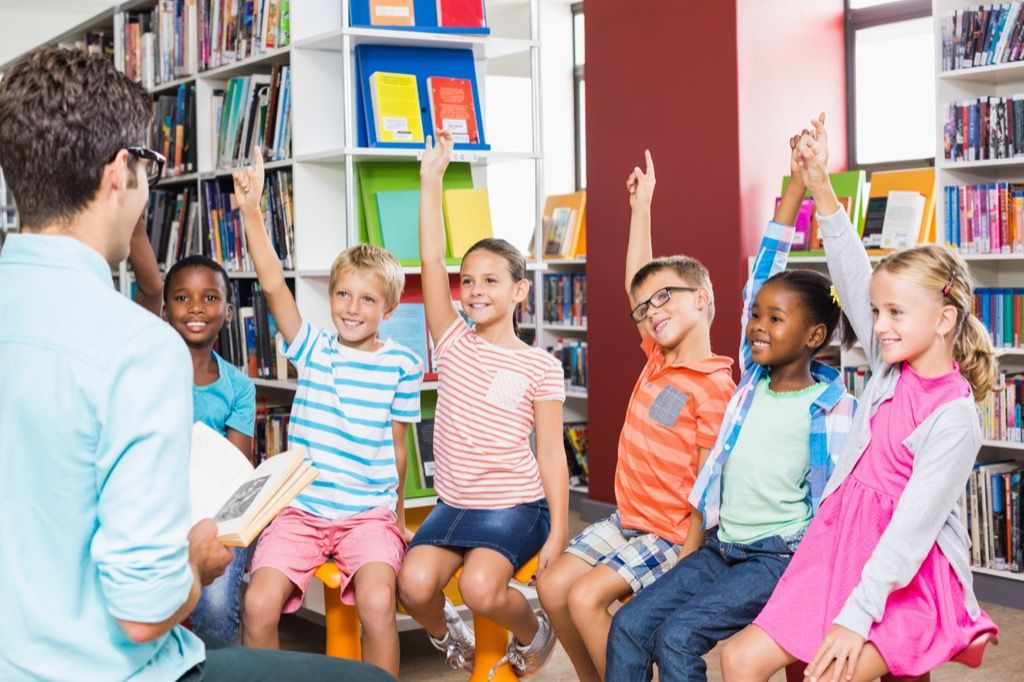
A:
(98, 563)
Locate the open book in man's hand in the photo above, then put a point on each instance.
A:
(224, 487)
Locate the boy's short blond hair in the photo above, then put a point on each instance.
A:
(690, 270)
(375, 260)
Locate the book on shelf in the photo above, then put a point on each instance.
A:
(984, 128)
(1001, 310)
(407, 326)
(467, 219)
(223, 234)
(172, 223)
(399, 216)
(920, 180)
(253, 110)
(564, 226)
(461, 13)
(159, 45)
(991, 507)
(249, 340)
(526, 310)
(392, 13)
(452, 108)
(901, 226)
(565, 299)
(849, 187)
(1000, 411)
(802, 228)
(233, 30)
(574, 438)
(423, 439)
(172, 131)
(395, 104)
(985, 218)
(856, 378)
(574, 356)
(225, 487)
(981, 35)
(270, 432)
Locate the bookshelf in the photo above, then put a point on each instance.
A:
(1002, 270)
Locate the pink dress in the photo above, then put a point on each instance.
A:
(925, 623)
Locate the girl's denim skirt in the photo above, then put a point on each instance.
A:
(517, 533)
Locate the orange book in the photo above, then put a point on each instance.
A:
(392, 13)
(452, 108)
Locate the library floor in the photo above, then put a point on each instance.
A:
(421, 663)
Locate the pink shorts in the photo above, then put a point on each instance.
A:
(297, 543)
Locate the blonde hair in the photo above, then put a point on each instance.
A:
(690, 270)
(377, 261)
(944, 272)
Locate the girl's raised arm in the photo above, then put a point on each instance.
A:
(437, 296)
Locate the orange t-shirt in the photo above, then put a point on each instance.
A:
(673, 412)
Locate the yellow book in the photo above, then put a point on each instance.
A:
(396, 107)
(564, 224)
(920, 180)
(467, 219)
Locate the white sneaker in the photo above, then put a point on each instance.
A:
(528, 660)
(458, 644)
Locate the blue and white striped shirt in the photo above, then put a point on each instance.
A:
(343, 411)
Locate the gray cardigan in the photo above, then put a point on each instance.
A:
(945, 447)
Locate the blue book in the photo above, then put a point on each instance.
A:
(399, 224)
(408, 327)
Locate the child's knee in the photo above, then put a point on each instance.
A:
(736, 660)
(261, 608)
(553, 589)
(581, 598)
(376, 606)
(480, 592)
(417, 584)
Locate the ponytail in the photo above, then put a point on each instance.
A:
(972, 349)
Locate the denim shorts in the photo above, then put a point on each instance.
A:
(517, 533)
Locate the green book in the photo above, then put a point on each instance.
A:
(846, 184)
(414, 485)
(399, 215)
(378, 176)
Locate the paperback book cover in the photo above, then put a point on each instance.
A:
(392, 13)
(396, 107)
(452, 107)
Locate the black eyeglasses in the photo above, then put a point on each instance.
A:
(657, 299)
(155, 165)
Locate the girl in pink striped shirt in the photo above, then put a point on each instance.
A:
(499, 503)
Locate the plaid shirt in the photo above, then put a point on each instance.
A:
(831, 413)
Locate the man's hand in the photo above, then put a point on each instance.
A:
(249, 182)
(207, 555)
(436, 155)
(640, 184)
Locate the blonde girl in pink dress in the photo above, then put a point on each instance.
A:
(882, 581)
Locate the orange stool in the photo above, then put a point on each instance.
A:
(492, 639)
(971, 657)
(341, 620)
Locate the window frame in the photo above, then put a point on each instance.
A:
(577, 111)
(869, 17)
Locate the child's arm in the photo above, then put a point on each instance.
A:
(248, 193)
(149, 285)
(398, 432)
(695, 533)
(243, 443)
(848, 262)
(437, 296)
(554, 476)
(945, 448)
(639, 251)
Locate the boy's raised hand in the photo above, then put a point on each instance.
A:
(436, 155)
(640, 184)
(249, 182)
(813, 152)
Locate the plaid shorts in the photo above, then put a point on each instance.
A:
(640, 558)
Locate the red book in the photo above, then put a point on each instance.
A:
(452, 108)
(460, 13)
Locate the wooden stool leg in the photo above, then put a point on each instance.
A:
(491, 643)
(342, 623)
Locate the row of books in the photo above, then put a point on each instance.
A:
(991, 506)
(564, 226)
(981, 35)
(152, 47)
(253, 110)
(233, 30)
(248, 341)
(574, 437)
(223, 237)
(573, 355)
(984, 128)
(1001, 311)
(856, 378)
(396, 113)
(1001, 410)
(270, 434)
(564, 299)
(986, 218)
(173, 225)
(172, 131)
(419, 14)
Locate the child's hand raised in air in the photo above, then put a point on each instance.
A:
(436, 155)
(812, 150)
(640, 184)
(249, 182)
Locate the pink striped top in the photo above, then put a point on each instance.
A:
(484, 419)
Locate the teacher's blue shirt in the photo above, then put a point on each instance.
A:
(95, 416)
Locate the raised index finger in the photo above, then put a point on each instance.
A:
(650, 162)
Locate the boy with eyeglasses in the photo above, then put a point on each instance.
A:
(672, 420)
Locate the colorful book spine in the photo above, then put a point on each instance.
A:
(573, 355)
(564, 299)
(985, 218)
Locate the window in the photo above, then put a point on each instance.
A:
(890, 73)
(579, 96)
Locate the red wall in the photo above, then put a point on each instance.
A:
(712, 89)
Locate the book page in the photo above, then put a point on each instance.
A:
(216, 469)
